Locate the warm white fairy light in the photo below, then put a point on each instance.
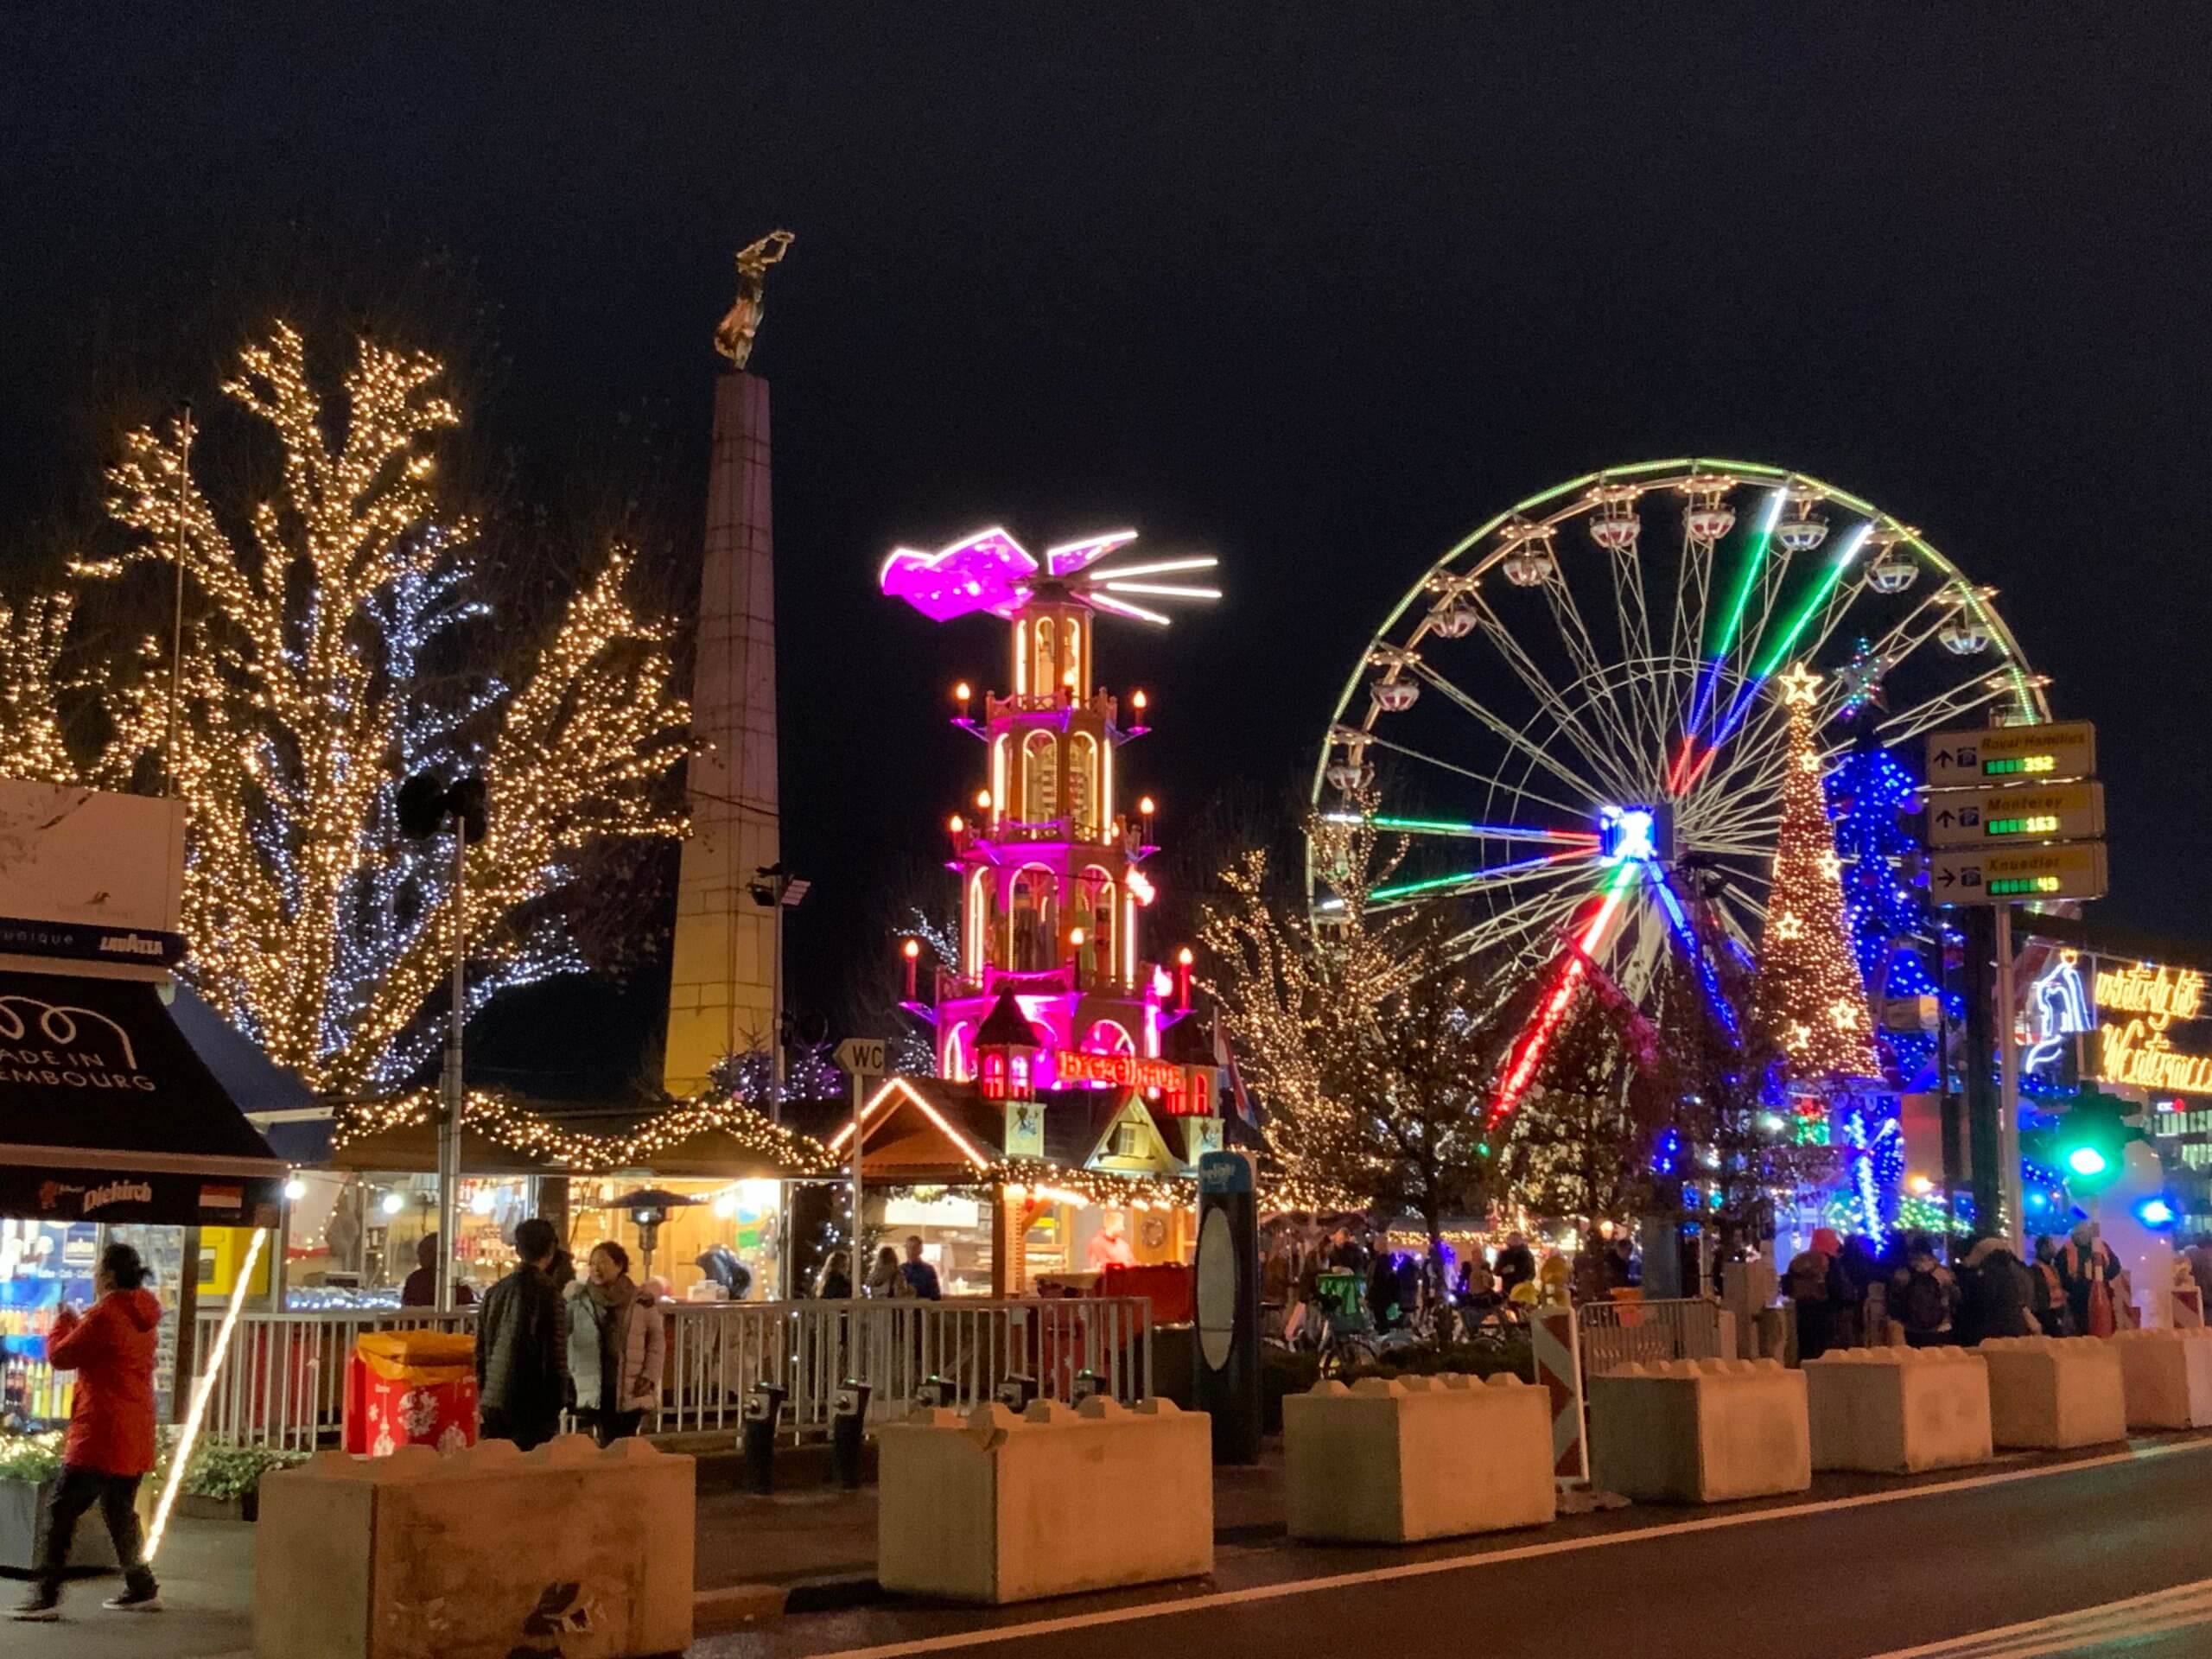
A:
(31, 633)
(307, 698)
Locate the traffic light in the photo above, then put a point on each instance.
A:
(2088, 1144)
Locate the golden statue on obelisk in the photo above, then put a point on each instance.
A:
(734, 337)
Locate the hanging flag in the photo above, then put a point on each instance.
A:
(1225, 1058)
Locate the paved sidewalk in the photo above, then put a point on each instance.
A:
(207, 1573)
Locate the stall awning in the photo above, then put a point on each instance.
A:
(107, 1114)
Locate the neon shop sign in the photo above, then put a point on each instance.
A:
(2137, 1050)
(1073, 1066)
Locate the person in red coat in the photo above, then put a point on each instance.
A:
(110, 1447)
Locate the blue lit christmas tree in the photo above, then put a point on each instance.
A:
(1869, 793)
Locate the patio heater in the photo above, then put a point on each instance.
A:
(648, 1207)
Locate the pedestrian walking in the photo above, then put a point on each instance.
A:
(2200, 1262)
(919, 1274)
(1995, 1290)
(110, 1445)
(885, 1280)
(1821, 1295)
(616, 1345)
(2086, 1264)
(2054, 1315)
(1619, 1270)
(1924, 1296)
(522, 1338)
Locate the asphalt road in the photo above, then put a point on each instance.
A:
(2103, 1555)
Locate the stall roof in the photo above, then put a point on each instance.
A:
(412, 1149)
(108, 1113)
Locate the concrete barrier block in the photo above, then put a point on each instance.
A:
(1394, 1462)
(1699, 1431)
(993, 1507)
(2166, 1377)
(2054, 1392)
(477, 1556)
(1899, 1410)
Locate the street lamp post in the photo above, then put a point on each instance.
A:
(424, 805)
(775, 888)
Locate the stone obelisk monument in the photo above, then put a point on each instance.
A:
(723, 983)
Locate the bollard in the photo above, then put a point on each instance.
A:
(764, 1409)
(934, 1394)
(1016, 1391)
(1087, 1386)
(848, 1417)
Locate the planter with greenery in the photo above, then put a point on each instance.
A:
(30, 1464)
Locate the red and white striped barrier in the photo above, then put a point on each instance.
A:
(1559, 1372)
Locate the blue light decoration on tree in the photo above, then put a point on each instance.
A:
(1870, 793)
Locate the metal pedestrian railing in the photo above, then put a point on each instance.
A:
(1614, 1334)
(717, 1352)
(283, 1381)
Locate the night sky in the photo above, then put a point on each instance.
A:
(1316, 288)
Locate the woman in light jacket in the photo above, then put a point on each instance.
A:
(885, 1279)
(617, 1342)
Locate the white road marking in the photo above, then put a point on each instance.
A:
(2176, 1609)
(1491, 1557)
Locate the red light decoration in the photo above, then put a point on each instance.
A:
(1528, 1053)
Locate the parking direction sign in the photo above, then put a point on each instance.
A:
(2002, 875)
(1993, 754)
(1978, 817)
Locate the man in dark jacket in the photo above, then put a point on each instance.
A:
(1995, 1289)
(522, 1344)
(1516, 1264)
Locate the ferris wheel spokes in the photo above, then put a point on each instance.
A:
(1541, 866)
(1515, 739)
(1549, 698)
(1582, 651)
(1580, 814)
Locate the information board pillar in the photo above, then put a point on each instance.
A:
(1229, 1304)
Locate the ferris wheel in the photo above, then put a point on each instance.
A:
(1566, 715)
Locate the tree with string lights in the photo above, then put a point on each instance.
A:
(33, 632)
(1809, 1004)
(1577, 1149)
(1372, 1052)
(323, 625)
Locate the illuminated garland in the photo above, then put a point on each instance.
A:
(501, 1121)
(309, 694)
(1276, 1194)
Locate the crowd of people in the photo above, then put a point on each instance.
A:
(2073, 1286)
(890, 1278)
